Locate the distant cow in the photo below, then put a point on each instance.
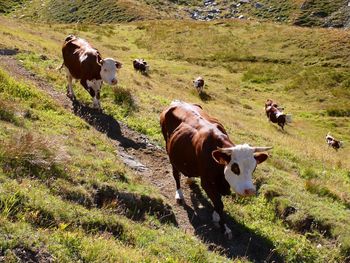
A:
(198, 146)
(275, 114)
(335, 144)
(141, 65)
(82, 61)
(198, 83)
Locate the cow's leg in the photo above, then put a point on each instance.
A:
(95, 87)
(218, 214)
(70, 93)
(179, 197)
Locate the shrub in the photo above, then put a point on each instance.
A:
(7, 113)
(338, 112)
(124, 98)
(29, 155)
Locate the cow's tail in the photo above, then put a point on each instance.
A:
(288, 118)
(60, 67)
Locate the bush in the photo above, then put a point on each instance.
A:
(338, 113)
(29, 155)
(7, 113)
(124, 98)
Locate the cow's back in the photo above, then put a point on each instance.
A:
(80, 58)
(191, 135)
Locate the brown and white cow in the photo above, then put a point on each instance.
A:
(198, 83)
(82, 61)
(275, 114)
(335, 144)
(198, 146)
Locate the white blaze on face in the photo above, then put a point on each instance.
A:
(109, 70)
(238, 172)
(240, 162)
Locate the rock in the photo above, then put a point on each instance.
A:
(244, 1)
(73, 9)
(43, 57)
(241, 17)
(258, 5)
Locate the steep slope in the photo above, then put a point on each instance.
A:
(301, 213)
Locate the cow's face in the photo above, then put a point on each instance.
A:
(109, 69)
(240, 162)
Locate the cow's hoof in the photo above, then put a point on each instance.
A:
(179, 201)
(228, 232)
(228, 235)
(71, 96)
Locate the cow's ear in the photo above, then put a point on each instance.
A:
(118, 64)
(221, 156)
(260, 157)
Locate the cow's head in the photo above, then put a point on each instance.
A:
(109, 68)
(240, 162)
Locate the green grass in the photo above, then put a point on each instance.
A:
(303, 202)
(54, 207)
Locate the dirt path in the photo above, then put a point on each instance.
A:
(150, 162)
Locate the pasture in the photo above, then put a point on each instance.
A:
(48, 200)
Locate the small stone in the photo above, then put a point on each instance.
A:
(73, 9)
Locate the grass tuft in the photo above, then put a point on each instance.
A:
(30, 155)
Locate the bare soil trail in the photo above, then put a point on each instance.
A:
(151, 164)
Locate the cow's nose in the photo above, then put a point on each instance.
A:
(249, 192)
(114, 81)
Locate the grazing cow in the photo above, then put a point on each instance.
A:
(335, 144)
(141, 65)
(198, 146)
(275, 114)
(82, 61)
(198, 83)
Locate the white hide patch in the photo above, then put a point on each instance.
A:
(82, 58)
(179, 195)
(94, 84)
(243, 155)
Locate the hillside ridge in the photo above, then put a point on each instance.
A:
(310, 13)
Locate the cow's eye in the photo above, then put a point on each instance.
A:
(105, 70)
(235, 168)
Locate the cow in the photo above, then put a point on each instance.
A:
(335, 144)
(141, 65)
(275, 114)
(82, 61)
(199, 146)
(198, 83)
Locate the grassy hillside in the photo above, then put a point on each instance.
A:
(90, 11)
(57, 177)
(304, 199)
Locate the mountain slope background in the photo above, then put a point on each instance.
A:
(320, 13)
(69, 183)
